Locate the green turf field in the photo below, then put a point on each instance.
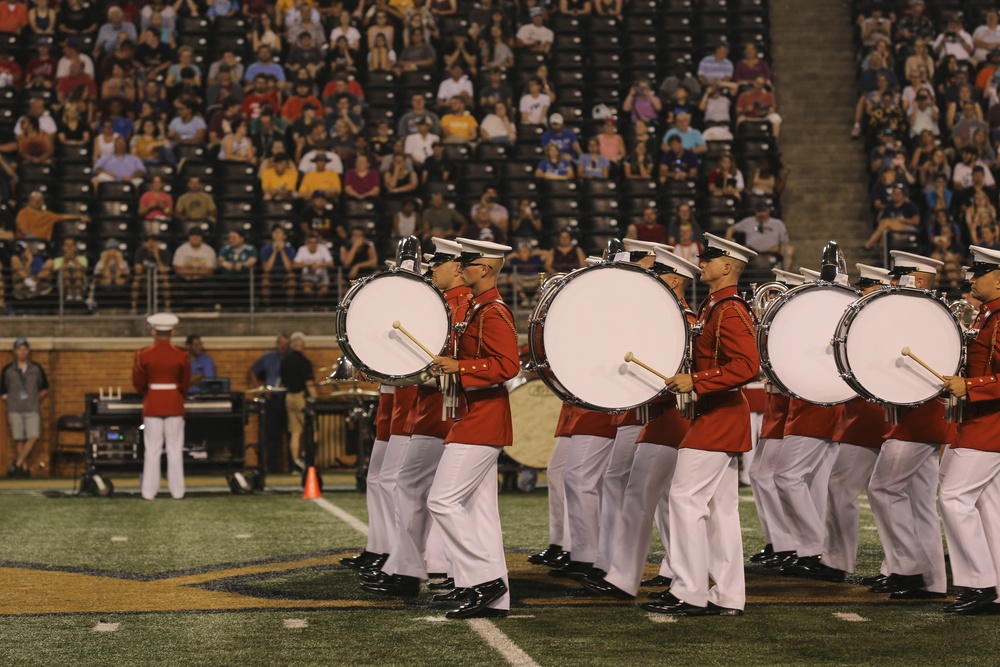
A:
(218, 579)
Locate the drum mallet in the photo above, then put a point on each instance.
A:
(906, 353)
(630, 358)
(402, 330)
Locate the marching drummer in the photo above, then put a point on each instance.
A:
(652, 469)
(463, 497)
(706, 476)
(554, 556)
(778, 544)
(970, 485)
(407, 565)
(903, 485)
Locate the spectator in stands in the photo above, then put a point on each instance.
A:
(110, 33)
(154, 56)
(726, 180)
(876, 27)
(534, 36)
(237, 257)
(483, 228)
(919, 82)
(899, 215)
(379, 24)
(769, 177)
(718, 68)
(362, 182)
(268, 137)
(13, 17)
(314, 261)
(320, 179)
(277, 263)
(751, 67)
(876, 81)
(534, 105)
(642, 104)
(592, 164)
(497, 127)
(227, 60)
(345, 28)
(677, 163)
(920, 60)
(420, 145)
(306, 56)
(42, 18)
(496, 90)
(564, 138)
(72, 129)
(913, 27)
(494, 50)
(111, 271)
(119, 167)
(278, 182)
(566, 256)
(400, 179)
(881, 191)
(410, 121)
(554, 166)
(194, 261)
(923, 118)
(71, 270)
(291, 111)
(691, 138)
(35, 221)
(195, 204)
(939, 197)
(686, 243)
(763, 233)
(37, 111)
(156, 205)
(41, 70)
(264, 34)
(639, 165)
(33, 146)
(525, 264)
(758, 103)
(76, 19)
(456, 85)
(459, 126)
(967, 125)
(418, 56)
(31, 275)
(236, 145)
(954, 41)
(381, 57)
(884, 155)
(438, 168)
(71, 53)
(258, 98)
(319, 217)
(680, 78)
(407, 222)
(357, 254)
(439, 216)
(986, 37)
(978, 213)
(647, 229)
(527, 222)
(715, 108)
(265, 64)
(187, 128)
(498, 213)
(11, 75)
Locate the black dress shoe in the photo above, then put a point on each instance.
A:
(374, 576)
(375, 563)
(478, 598)
(571, 567)
(359, 561)
(603, 587)
(973, 600)
(454, 595)
(444, 585)
(658, 581)
(716, 610)
(764, 554)
(546, 556)
(898, 582)
(660, 595)
(811, 568)
(674, 607)
(397, 585)
(592, 574)
(871, 581)
(779, 559)
(559, 561)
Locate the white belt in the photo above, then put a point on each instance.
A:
(161, 386)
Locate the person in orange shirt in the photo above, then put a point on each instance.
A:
(37, 221)
(291, 111)
(13, 17)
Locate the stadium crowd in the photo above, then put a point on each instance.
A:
(180, 151)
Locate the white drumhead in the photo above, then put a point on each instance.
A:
(385, 299)
(885, 325)
(595, 318)
(799, 347)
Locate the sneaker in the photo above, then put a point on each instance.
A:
(856, 131)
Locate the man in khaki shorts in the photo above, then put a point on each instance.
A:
(23, 385)
(297, 377)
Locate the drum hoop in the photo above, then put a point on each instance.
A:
(840, 353)
(344, 342)
(536, 334)
(763, 333)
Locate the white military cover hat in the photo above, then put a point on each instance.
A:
(716, 246)
(907, 262)
(648, 247)
(809, 274)
(445, 250)
(675, 263)
(787, 277)
(984, 260)
(873, 275)
(593, 259)
(162, 321)
(473, 249)
(390, 263)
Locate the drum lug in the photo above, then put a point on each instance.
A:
(838, 340)
(540, 365)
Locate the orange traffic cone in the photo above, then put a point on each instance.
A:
(312, 490)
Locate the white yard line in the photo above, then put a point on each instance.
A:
(106, 627)
(850, 617)
(343, 515)
(492, 635)
(660, 618)
(296, 623)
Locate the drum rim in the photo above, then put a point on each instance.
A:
(341, 322)
(763, 333)
(840, 354)
(536, 333)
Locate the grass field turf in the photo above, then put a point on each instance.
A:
(213, 579)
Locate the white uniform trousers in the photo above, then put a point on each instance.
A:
(652, 472)
(157, 433)
(556, 475)
(705, 535)
(463, 501)
(970, 506)
(413, 484)
(802, 476)
(756, 421)
(378, 523)
(436, 558)
(613, 491)
(585, 466)
(393, 457)
(765, 494)
(902, 494)
(662, 519)
(849, 477)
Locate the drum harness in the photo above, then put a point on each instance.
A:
(687, 404)
(450, 386)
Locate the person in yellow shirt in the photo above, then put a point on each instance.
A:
(320, 179)
(278, 182)
(459, 126)
(282, 7)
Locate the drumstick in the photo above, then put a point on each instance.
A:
(906, 353)
(629, 357)
(402, 330)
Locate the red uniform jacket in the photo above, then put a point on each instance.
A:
(924, 423)
(813, 421)
(630, 418)
(862, 423)
(161, 364)
(402, 404)
(426, 417)
(725, 359)
(772, 427)
(756, 397)
(592, 422)
(562, 426)
(980, 428)
(487, 353)
(384, 414)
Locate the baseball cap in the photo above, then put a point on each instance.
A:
(18, 342)
(556, 119)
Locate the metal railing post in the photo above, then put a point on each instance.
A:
(62, 301)
(253, 328)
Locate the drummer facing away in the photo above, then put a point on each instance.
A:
(463, 497)
(161, 373)
(705, 534)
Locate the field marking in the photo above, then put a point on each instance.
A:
(660, 618)
(500, 642)
(850, 617)
(296, 623)
(119, 538)
(433, 619)
(243, 536)
(106, 627)
(343, 515)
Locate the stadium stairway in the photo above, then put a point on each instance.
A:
(827, 196)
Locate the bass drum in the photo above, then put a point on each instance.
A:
(535, 412)
(583, 327)
(871, 335)
(794, 341)
(365, 325)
